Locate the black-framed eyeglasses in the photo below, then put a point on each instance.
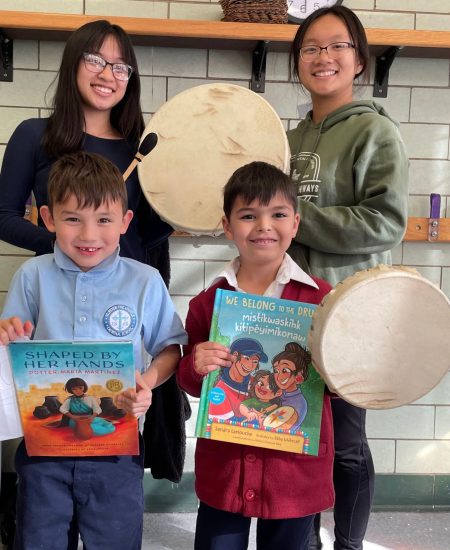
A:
(96, 64)
(334, 50)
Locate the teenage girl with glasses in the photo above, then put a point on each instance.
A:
(96, 108)
(350, 167)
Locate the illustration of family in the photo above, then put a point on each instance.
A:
(249, 394)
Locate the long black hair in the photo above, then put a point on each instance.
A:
(65, 129)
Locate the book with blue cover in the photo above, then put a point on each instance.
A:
(271, 396)
(66, 394)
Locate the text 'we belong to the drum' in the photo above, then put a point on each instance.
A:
(254, 303)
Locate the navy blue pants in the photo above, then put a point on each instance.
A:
(101, 497)
(219, 530)
(353, 477)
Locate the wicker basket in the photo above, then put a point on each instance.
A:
(255, 11)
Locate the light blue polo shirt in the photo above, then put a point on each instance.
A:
(120, 299)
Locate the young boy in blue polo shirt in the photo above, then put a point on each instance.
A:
(73, 294)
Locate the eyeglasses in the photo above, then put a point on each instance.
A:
(334, 51)
(96, 64)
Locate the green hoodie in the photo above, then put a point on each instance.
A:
(352, 177)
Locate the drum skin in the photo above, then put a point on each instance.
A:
(204, 134)
(381, 338)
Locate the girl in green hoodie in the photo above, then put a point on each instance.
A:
(350, 165)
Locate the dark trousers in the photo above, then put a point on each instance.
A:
(102, 497)
(219, 530)
(353, 477)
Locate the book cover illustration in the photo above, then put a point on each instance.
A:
(66, 394)
(271, 396)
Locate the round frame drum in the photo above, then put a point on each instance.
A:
(204, 134)
(381, 338)
(282, 418)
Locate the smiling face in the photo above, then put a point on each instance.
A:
(87, 235)
(263, 390)
(329, 80)
(262, 233)
(286, 375)
(101, 91)
(244, 365)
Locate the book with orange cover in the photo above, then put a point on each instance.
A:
(66, 393)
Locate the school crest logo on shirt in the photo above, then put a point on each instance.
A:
(119, 320)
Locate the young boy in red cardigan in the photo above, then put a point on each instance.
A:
(236, 482)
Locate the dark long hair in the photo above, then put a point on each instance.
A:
(65, 129)
(355, 30)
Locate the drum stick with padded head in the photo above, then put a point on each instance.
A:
(147, 145)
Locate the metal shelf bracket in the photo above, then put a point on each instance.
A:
(6, 58)
(383, 64)
(258, 82)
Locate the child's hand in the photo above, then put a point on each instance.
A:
(11, 329)
(253, 415)
(136, 402)
(210, 356)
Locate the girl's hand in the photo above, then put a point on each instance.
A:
(136, 402)
(12, 329)
(209, 356)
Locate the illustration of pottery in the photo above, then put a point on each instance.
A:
(109, 408)
(83, 429)
(41, 412)
(52, 403)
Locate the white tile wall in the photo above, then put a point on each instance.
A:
(25, 54)
(422, 457)
(433, 22)
(442, 423)
(437, 6)
(10, 118)
(430, 105)
(386, 20)
(130, 8)
(407, 422)
(210, 12)
(383, 454)
(426, 141)
(45, 6)
(410, 439)
(27, 90)
(172, 62)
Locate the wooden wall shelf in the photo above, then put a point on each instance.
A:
(418, 230)
(224, 35)
(211, 34)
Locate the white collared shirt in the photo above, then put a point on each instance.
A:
(288, 271)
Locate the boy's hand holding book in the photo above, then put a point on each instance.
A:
(12, 329)
(136, 402)
(209, 356)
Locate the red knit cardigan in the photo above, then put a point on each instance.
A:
(253, 481)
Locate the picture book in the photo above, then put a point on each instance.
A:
(66, 394)
(271, 396)
(10, 426)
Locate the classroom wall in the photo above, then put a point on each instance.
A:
(411, 442)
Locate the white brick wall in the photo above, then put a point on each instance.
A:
(411, 439)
